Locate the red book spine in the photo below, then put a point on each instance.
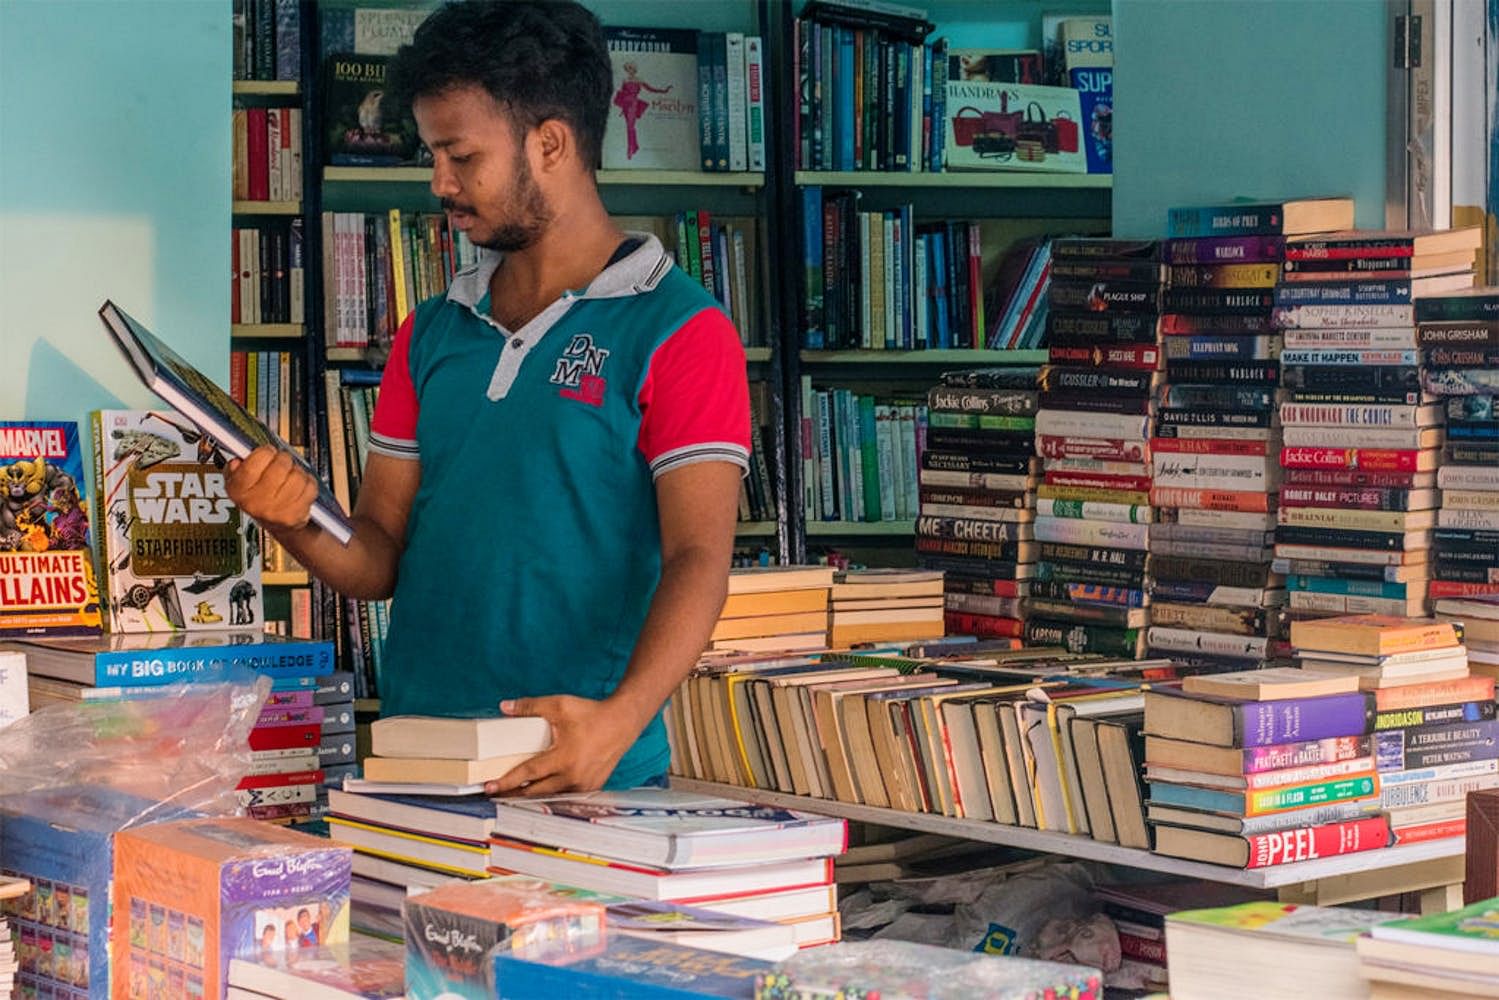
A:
(983, 626)
(237, 376)
(1177, 496)
(1334, 252)
(1310, 843)
(1109, 449)
(1367, 459)
(281, 780)
(1351, 477)
(1477, 688)
(258, 139)
(291, 716)
(1137, 357)
(705, 247)
(264, 737)
(1142, 948)
(1431, 831)
(1208, 446)
(1451, 588)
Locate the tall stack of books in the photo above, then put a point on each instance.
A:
(1217, 602)
(1459, 336)
(1262, 768)
(666, 845)
(885, 605)
(1435, 737)
(1442, 955)
(1093, 433)
(1361, 434)
(1479, 616)
(774, 608)
(977, 489)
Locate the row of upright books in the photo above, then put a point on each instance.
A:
(859, 455)
(267, 39)
(269, 275)
(720, 252)
(270, 385)
(267, 148)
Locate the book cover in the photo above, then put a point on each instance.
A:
(994, 66)
(365, 966)
(359, 126)
(175, 554)
(1095, 89)
(47, 584)
(1330, 924)
(149, 659)
(628, 969)
(192, 895)
(653, 107)
(1013, 126)
(1474, 928)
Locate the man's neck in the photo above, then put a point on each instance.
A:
(569, 255)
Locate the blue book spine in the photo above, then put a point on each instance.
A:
(1352, 588)
(1189, 797)
(704, 106)
(1208, 347)
(629, 969)
(812, 263)
(939, 106)
(1095, 91)
(845, 111)
(1224, 220)
(922, 157)
(939, 268)
(151, 667)
(288, 40)
(1484, 431)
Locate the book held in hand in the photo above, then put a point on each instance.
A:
(423, 736)
(212, 410)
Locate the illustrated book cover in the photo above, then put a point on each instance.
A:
(653, 104)
(1013, 126)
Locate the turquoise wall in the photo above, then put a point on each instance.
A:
(114, 183)
(1262, 98)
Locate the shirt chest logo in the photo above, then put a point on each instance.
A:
(580, 371)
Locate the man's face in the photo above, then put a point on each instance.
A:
(480, 170)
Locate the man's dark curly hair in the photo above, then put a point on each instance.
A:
(539, 59)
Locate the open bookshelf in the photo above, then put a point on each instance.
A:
(955, 179)
(267, 208)
(266, 88)
(641, 178)
(267, 331)
(976, 358)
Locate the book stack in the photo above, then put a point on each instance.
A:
(666, 845)
(1459, 336)
(1435, 736)
(11, 889)
(1093, 434)
(1443, 955)
(977, 488)
(306, 725)
(884, 606)
(1216, 602)
(1139, 912)
(1264, 949)
(774, 608)
(1361, 435)
(1262, 767)
(1479, 616)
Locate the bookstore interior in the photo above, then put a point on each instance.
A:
(1112, 604)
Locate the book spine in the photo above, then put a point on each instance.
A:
(755, 95)
(1225, 220)
(736, 101)
(1306, 754)
(1312, 843)
(1227, 249)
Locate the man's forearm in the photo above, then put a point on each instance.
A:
(677, 628)
(365, 569)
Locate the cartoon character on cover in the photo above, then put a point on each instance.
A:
(632, 106)
(27, 486)
(69, 521)
(310, 934)
(242, 603)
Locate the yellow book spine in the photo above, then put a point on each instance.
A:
(1062, 782)
(738, 730)
(397, 268)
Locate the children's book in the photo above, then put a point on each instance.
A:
(212, 410)
(176, 554)
(653, 104)
(138, 659)
(47, 584)
(366, 968)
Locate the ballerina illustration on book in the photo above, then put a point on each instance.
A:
(632, 106)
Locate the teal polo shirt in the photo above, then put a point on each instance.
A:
(533, 547)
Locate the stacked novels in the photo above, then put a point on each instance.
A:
(1093, 432)
(1216, 452)
(977, 486)
(1262, 768)
(1479, 616)
(1029, 737)
(306, 725)
(1442, 955)
(858, 455)
(774, 608)
(875, 280)
(884, 606)
(268, 266)
(267, 154)
(1459, 336)
(1435, 737)
(12, 889)
(1361, 434)
(666, 845)
(419, 750)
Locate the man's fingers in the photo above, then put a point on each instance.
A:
(530, 706)
(541, 766)
(546, 786)
(254, 464)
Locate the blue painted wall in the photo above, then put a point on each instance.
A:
(114, 183)
(1261, 98)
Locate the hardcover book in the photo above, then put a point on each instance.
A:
(131, 660)
(1013, 126)
(176, 553)
(360, 127)
(653, 106)
(192, 895)
(47, 584)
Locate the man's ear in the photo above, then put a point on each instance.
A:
(553, 143)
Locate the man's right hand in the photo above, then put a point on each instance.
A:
(270, 487)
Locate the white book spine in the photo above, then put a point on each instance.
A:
(908, 459)
(754, 62)
(1356, 437)
(1373, 339)
(738, 104)
(885, 435)
(1110, 534)
(1181, 640)
(1324, 415)
(1468, 477)
(1078, 423)
(274, 174)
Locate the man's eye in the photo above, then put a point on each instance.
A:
(460, 160)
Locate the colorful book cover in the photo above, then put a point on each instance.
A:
(359, 126)
(1334, 925)
(653, 105)
(994, 66)
(148, 659)
(365, 966)
(1013, 126)
(1474, 928)
(47, 584)
(177, 555)
(628, 969)
(191, 895)
(1095, 89)
(453, 932)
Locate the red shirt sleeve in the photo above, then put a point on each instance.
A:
(695, 398)
(393, 427)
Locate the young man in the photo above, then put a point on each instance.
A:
(555, 457)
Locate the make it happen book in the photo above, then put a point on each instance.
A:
(212, 410)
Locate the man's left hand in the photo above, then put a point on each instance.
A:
(588, 739)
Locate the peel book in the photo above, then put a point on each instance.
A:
(213, 411)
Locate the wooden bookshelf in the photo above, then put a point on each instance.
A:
(295, 578)
(955, 179)
(267, 208)
(757, 355)
(865, 529)
(336, 354)
(953, 357)
(267, 88)
(1388, 861)
(366, 705)
(754, 529)
(266, 331)
(639, 178)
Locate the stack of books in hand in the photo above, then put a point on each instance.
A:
(886, 605)
(1435, 737)
(976, 487)
(1445, 955)
(666, 845)
(1093, 432)
(774, 608)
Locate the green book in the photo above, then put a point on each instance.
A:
(1473, 928)
(1316, 923)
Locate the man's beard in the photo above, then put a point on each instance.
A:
(527, 216)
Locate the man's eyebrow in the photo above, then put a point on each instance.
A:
(441, 143)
